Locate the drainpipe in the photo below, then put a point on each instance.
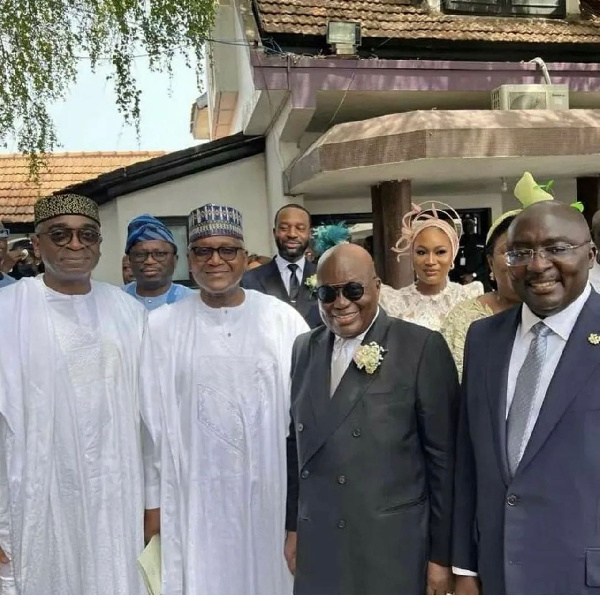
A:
(542, 65)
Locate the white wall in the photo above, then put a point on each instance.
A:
(230, 67)
(240, 184)
(247, 94)
(278, 156)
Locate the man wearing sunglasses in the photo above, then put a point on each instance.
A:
(152, 254)
(371, 444)
(216, 471)
(5, 279)
(71, 478)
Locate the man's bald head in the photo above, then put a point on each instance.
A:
(347, 273)
(559, 212)
(558, 272)
(348, 252)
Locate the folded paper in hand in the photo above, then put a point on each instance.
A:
(149, 563)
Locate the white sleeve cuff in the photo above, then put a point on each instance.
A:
(465, 572)
(153, 497)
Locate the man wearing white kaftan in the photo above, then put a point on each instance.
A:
(71, 502)
(71, 469)
(224, 393)
(219, 420)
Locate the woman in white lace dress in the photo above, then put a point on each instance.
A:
(433, 243)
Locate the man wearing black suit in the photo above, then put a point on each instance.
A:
(285, 276)
(527, 508)
(371, 445)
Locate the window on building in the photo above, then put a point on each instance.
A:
(508, 8)
(179, 227)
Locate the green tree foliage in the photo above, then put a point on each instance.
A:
(42, 42)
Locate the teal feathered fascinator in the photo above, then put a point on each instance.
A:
(328, 236)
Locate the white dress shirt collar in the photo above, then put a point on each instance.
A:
(286, 273)
(561, 323)
(283, 264)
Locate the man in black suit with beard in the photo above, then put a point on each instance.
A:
(285, 276)
(371, 445)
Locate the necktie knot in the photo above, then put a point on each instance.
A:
(293, 267)
(540, 330)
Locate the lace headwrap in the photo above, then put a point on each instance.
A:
(428, 216)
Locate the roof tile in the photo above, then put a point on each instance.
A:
(18, 192)
(411, 19)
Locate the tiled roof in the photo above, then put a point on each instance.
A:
(409, 19)
(18, 193)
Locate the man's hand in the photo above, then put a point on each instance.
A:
(3, 558)
(289, 551)
(439, 579)
(151, 524)
(466, 584)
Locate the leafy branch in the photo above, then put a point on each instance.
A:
(42, 41)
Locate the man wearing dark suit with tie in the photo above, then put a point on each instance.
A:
(371, 445)
(285, 276)
(527, 507)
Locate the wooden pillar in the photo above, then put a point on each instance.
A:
(378, 247)
(588, 193)
(390, 200)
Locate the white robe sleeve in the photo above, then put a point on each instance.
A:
(150, 407)
(7, 576)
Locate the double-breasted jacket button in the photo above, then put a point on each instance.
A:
(356, 432)
(300, 427)
(341, 479)
(512, 500)
(341, 523)
(304, 474)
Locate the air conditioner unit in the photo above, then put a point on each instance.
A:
(531, 97)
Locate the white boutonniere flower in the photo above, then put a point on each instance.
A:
(594, 338)
(311, 283)
(369, 357)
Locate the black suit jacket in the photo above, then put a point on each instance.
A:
(539, 532)
(267, 279)
(370, 470)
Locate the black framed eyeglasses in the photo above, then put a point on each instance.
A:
(328, 293)
(139, 257)
(63, 236)
(553, 253)
(227, 254)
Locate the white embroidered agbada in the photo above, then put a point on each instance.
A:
(71, 473)
(221, 409)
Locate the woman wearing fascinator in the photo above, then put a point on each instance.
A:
(430, 234)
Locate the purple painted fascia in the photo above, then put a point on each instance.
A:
(303, 77)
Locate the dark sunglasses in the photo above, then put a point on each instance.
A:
(353, 291)
(63, 236)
